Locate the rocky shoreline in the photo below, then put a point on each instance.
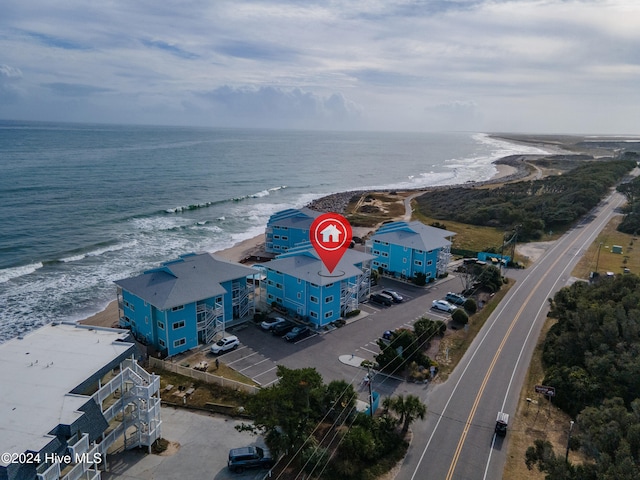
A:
(337, 202)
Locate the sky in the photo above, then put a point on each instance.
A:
(536, 66)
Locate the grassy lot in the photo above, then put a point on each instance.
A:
(373, 208)
(469, 237)
(204, 392)
(607, 261)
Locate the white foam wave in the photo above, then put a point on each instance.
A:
(16, 272)
(260, 194)
(111, 248)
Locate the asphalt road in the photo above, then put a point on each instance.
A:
(456, 441)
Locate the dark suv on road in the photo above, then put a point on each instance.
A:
(249, 457)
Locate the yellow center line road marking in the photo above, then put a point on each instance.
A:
(476, 402)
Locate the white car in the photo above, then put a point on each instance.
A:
(443, 305)
(269, 323)
(225, 344)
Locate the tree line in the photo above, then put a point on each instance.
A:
(534, 207)
(592, 357)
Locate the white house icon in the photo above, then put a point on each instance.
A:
(331, 234)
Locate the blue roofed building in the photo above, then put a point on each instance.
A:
(288, 228)
(404, 249)
(299, 282)
(185, 302)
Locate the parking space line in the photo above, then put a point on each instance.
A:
(222, 355)
(242, 358)
(266, 371)
(253, 365)
(370, 351)
(272, 381)
(305, 338)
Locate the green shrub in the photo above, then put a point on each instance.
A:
(470, 306)
(460, 316)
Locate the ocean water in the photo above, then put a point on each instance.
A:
(84, 205)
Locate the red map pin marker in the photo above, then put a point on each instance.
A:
(330, 235)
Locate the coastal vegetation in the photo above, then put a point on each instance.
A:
(314, 428)
(529, 207)
(591, 355)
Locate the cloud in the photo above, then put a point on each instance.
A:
(75, 89)
(380, 64)
(170, 48)
(9, 84)
(280, 108)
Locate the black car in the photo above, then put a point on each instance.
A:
(283, 327)
(249, 457)
(381, 298)
(394, 295)
(298, 333)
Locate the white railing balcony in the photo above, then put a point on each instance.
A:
(48, 473)
(80, 446)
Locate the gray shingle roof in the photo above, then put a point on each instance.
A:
(308, 267)
(414, 235)
(192, 278)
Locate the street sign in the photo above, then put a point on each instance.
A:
(544, 390)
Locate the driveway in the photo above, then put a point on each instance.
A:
(203, 443)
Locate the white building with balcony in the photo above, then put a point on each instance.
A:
(70, 395)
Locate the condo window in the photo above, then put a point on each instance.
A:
(329, 299)
(313, 299)
(161, 325)
(161, 342)
(180, 342)
(313, 314)
(178, 308)
(178, 325)
(328, 315)
(418, 262)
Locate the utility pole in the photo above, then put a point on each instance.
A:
(370, 391)
(598, 257)
(566, 457)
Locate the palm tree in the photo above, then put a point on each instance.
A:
(409, 408)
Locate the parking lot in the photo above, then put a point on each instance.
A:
(204, 440)
(199, 448)
(260, 352)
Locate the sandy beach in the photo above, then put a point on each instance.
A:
(253, 246)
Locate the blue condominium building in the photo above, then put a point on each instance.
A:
(298, 282)
(404, 249)
(288, 228)
(185, 302)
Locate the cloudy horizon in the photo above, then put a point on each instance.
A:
(537, 66)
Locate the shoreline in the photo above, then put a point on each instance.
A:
(508, 169)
